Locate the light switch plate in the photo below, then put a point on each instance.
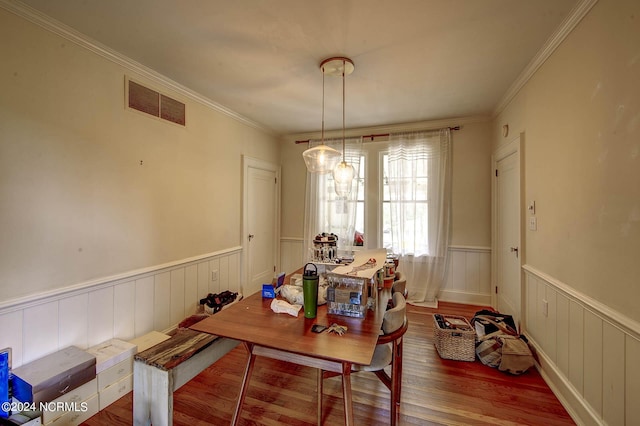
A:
(533, 223)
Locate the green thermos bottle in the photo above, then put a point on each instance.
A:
(310, 281)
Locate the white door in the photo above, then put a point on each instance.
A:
(261, 224)
(507, 247)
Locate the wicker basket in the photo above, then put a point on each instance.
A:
(458, 343)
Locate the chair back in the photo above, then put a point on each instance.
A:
(394, 318)
(399, 284)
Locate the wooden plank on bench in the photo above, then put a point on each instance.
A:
(184, 344)
(165, 367)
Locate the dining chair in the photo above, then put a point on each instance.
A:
(400, 284)
(388, 352)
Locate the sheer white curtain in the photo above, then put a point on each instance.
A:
(418, 174)
(324, 210)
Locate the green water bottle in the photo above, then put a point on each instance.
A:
(310, 281)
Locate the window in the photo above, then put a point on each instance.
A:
(358, 238)
(405, 204)
(326, 212)
(404, 207)
(398, 207)
(379, 210)
(335, 207)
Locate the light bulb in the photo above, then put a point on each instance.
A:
(343, 177)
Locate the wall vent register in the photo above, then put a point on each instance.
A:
(154, 103)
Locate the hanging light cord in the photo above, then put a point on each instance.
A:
(344, 66)
(322, 105)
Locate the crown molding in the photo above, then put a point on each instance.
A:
(567, 26)
(48, 23)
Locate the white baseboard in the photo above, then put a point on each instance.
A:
(467, 298)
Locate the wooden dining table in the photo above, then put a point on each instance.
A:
(287, 338)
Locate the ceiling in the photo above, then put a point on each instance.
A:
(415, 60)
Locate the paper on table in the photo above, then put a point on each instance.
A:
(360, 259)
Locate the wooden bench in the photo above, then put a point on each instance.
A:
(165, 367)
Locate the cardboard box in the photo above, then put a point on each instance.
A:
(30, 418)
(47, 378)
(114, 374)
(115, 391)
(71, 400)
(268, 292)
(148, 340)
(82, 412)
(112, 352)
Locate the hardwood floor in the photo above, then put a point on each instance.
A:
(434, 391)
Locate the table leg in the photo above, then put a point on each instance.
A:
(245, 383)
(320, 390)
(346, 393)
(396, 382)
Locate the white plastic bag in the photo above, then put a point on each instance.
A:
(282, 306)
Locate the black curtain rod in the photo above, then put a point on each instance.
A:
(379, 135)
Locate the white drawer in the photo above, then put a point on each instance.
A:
(112, 393)
(85, 410)
(71, 398)
(113, 374)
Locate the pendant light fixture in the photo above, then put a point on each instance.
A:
(343, 173)
(321, 158)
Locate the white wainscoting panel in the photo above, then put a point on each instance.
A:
(162, 302)
(40, 331)
(73, 320)
(215, 285)
(123, 307)
(204, 279)
(589, 354)
(291, 254)
(613, 374)
(191, 295)
(100, 319)
(144, 306)
(468, 276)
(177, 295)
(632, 382)
(12, 327)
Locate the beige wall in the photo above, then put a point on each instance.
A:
(471, 192)
(581, 117)
(294, 177)
(76, 204)
(471, 196)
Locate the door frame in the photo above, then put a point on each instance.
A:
(247, 163)
(514, 146)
